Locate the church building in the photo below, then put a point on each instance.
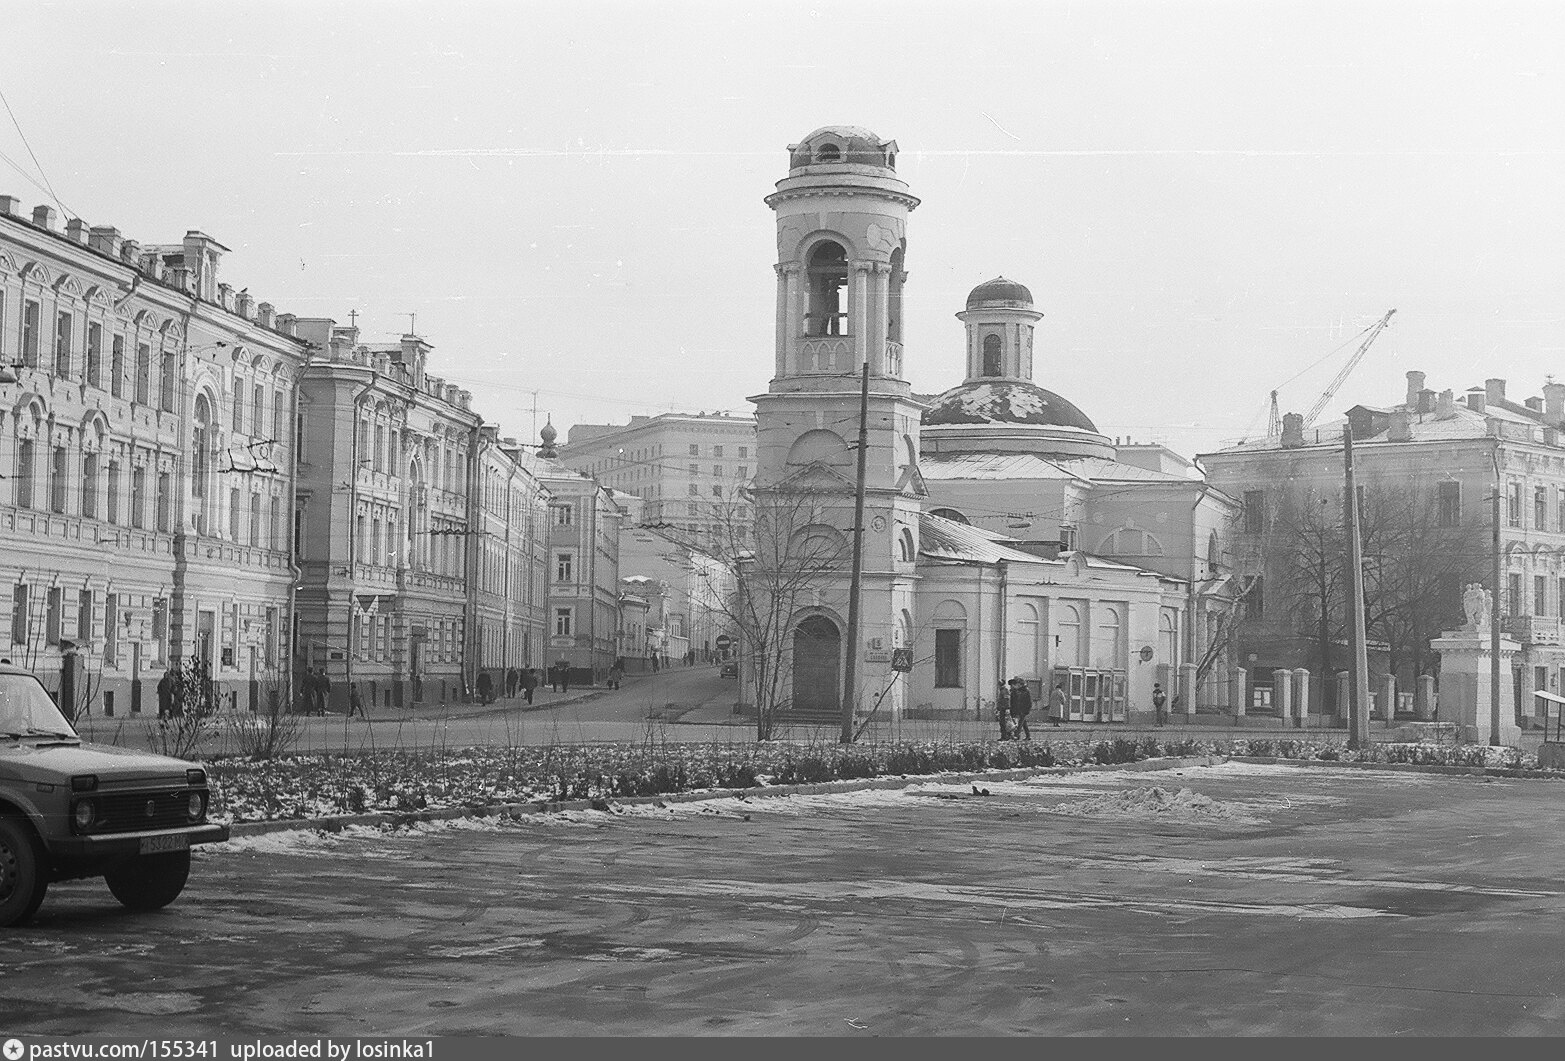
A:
(1003, 535)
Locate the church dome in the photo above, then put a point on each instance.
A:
(834, 145)
(1005, 402)
(1001, 290)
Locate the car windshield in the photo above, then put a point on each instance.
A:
(26, 710)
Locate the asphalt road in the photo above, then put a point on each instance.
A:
(1296, 901)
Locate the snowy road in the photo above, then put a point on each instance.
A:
(1212, 900)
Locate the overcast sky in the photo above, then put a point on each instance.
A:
(1204, 198)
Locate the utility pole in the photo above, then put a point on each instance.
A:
(1494, 609)
(850, 665)
(1358, 686)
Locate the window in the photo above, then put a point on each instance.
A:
(744, 451)
(717, 471)
(95, 355)
(200, 442)
(239, 404)
(24, 473)
(1513, 504)
(948, 659)
(692, 509)
(827, 278)
(991, 355)
(695, 450)
(269, 645)
(562, 622)
(375, 554)
(117, 367)
(274, 524)
(138, 493)
(113, 513)
(279, 415)
(255, 520)
(1514, 603)
(111, 624)
(163, 501)
(143, 372)
(695, 469)
(905, 549)
(160, 628)
(258, 410)
(19, 614)
(1540, 508)
(83, 617)
(694, 489)
(57, 477)
(1539, 596)
(167, 375)
(743, 471)
(1254, 511)
(90, 485)
(717, 491)
(30, 334)
(53, 603)
(62, 345)
(378, 460)
(717, 451)
(1449, 501)
(233, 513)
(1560, 520)
(1255, 599)
(562, 515)
(563, 564)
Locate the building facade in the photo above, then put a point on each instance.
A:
(688, 470)
(1427, 469)
(147, 453)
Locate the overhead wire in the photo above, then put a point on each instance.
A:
(48, 184)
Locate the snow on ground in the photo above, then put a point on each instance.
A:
(1158, 804)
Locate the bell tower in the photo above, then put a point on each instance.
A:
(841, 215)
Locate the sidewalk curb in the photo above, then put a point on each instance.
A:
(402, 819)
(1417, 768)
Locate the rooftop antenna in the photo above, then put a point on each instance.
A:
(412, 323)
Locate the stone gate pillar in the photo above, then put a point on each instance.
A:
(1238, 687)
(1282, 694)
(1301, 695)
(1387, 688)
(1424, 702)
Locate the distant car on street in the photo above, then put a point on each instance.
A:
(69, 809)
(729, 668)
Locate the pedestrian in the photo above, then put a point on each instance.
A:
(565, 677)
(355, 705)
(1002, 710)
(166, 693)
(529, 683)
(323, 690)
(616, 673)
(511, 681)
(1159, 704)
(1058, 704)
(1021, 707)
(485, 688)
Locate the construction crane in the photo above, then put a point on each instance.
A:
(1274, 419)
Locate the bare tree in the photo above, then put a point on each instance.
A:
(775, 551)
(273, 728)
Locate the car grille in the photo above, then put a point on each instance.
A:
(126, 812)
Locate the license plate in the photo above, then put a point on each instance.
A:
(155, 845)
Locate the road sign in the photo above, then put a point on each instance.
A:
(724, 641)
(902, 659)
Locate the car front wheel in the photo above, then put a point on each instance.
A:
(22, 879)
(149, 882)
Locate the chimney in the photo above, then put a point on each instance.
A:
(45, 217)
(1401, 427)
(1292, 430)
(8, 205)
(288, 324)
(151, 263)
(225, 296)
(1426, 401)
(76, 231)
(266, 315)
(1535, 404)
(105, 239)
(1445, 404)
(1415, 385)
(1554, 402)
(202, 254)
(1494, 391)
(130, 252)
(244, 305)
(1475, 399)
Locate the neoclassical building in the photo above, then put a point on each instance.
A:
(146, 464)
(1119, 580)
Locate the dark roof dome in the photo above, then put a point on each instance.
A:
(1005, 402)
(833, 145)
(999, 290)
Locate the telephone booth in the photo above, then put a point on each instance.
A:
(1093, 695)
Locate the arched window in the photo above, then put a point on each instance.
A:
(992, 355)
(1068, 648)
(1106, 644)
(894, 295)
(1026, 637)
(828, 153)
(200, 443)
(907, 551)
(26, 461)
(828, 279)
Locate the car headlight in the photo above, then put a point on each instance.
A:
(196, 806)
(84, 815)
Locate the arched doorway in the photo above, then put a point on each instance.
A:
(817, 648)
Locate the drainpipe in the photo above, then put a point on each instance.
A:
(1002, 568)
(353, 538)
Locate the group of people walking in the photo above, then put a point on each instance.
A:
(1015, 704)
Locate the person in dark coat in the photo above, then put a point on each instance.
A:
(1002, 711)
(485, 688)
(322, 691)
(1159, 704)
(1021, 707)
(529, 682)
(1059, 704)
(166, 693)
(512, 679)
(565, 677)
(355, 705)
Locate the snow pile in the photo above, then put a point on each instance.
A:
(1155, 804)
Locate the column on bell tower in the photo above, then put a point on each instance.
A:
(788, 312)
